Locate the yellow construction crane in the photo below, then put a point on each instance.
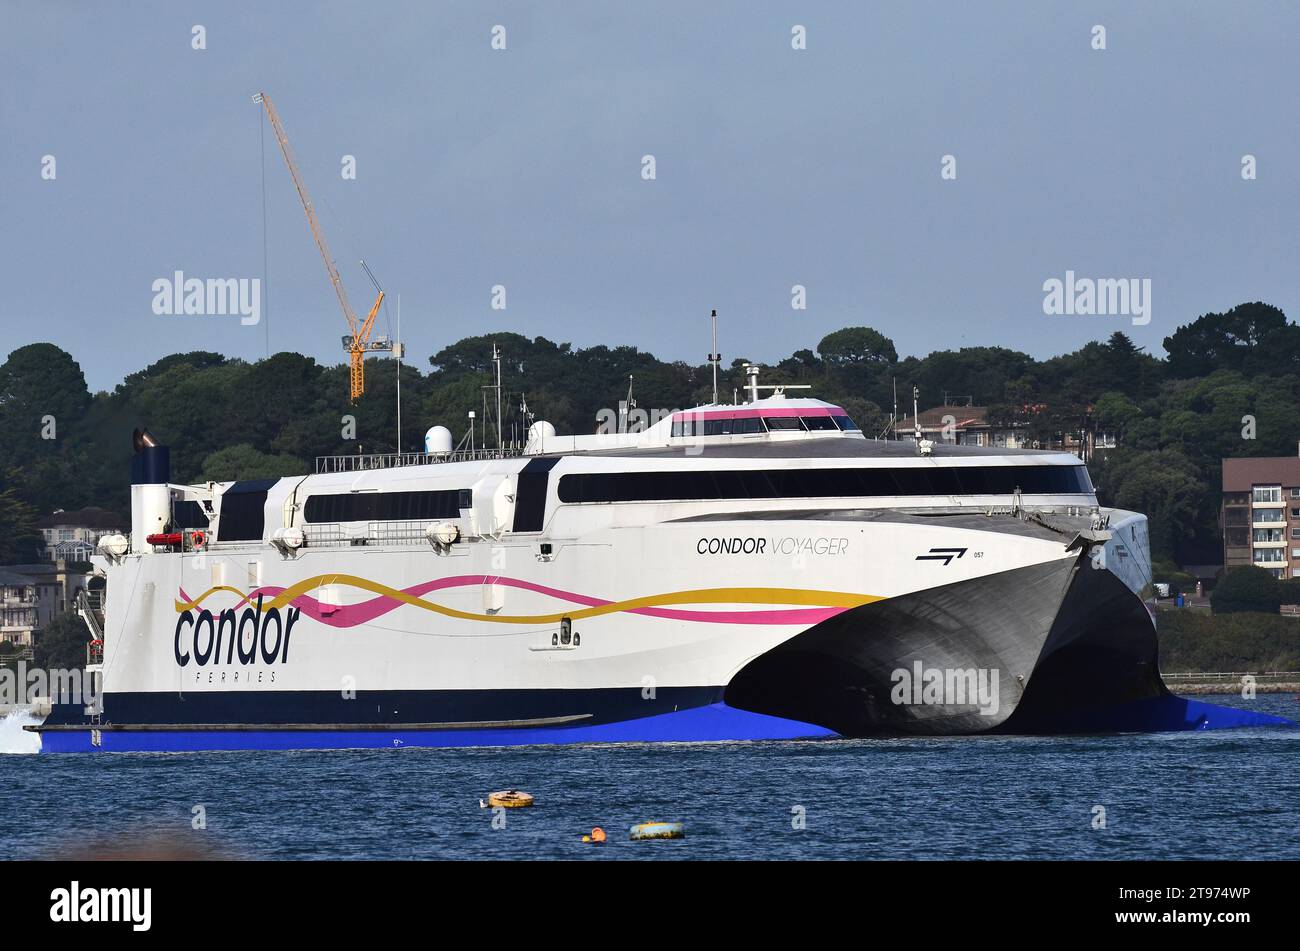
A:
(357, 343)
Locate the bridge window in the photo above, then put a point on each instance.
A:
(818, 423)
(778, 424)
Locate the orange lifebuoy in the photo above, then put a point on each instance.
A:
(199, 539)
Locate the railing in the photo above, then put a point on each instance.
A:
(390, 460)
(1225, 676)
(90, 608)
(388, 533)
(323, 535)
(332, 535)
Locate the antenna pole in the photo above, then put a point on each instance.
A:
(916, 415)
(893, 422)
(496, 357)
(398, 350)
(714, 357)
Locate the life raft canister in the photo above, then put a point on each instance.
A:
(510, 799)
(657, 830)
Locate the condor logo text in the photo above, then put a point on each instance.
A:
(231, 639)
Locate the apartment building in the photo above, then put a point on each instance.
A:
(1260, 517)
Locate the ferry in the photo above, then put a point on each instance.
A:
(760, 570)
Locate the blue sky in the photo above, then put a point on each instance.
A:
(522, 167)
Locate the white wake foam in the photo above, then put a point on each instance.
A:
(13, 738)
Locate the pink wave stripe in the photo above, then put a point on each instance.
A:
(351, 615)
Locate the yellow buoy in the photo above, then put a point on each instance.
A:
(597, 835)
(510, 799)
(657, 830)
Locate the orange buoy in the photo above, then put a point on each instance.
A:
(597, 835)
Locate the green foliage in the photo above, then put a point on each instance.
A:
(1163, 484)
(62, 644)
(857, 345)
(1246, 589)
(1242, 339)
(244, 462)
(1195, 641)
(19, 537)
(1166, 572)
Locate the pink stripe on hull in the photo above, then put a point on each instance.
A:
(351, 615)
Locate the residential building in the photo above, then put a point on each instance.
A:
(1260, 515)
(970, 426)
(71, 536)
(963, 425)
(33, 595)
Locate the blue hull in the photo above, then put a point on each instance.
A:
(713, 723)
(1164, 714)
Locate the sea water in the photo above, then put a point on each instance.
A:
(1231, 794)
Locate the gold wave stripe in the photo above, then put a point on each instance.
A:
(782, 596)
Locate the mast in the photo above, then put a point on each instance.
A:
(714, 357)
(496, 359)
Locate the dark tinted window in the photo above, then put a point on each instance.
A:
(816, 423)
(243, 510)
(382, 506)
(717, 427)
(530, 494)
(777, 423)
(819, 483)
(188, 514)
(843, 422)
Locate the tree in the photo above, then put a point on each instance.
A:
(1164, 485)
(857, 345)
(19, 537)
(62, 643)
(1246, 589)
(242, 461)
(1221, 341)
(43, 396)
(1115, 413)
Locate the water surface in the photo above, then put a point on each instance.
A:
(1229, 794)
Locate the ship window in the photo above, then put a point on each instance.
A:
(846, 424)
(691, 426)
(243, 510)
(779, 423)
(186, 513)
(383, 506)
(817, 423)
(822, 483)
